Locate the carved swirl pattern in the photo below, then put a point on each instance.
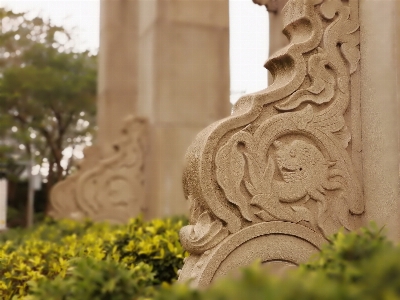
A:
(107, 188)
(114, 189)
(283, 155)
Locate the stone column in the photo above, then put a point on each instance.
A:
(277, 40)
(118, 58)
(380, 42)
(184, 86)
(110, 185)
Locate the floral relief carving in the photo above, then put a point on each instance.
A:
(114, 189)
(107, 188)
(284, 154)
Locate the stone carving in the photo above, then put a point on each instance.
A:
(64, 202)
(110, 188)
(202, 233)
(114, 189)
(276, 178)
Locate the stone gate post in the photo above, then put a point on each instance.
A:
(316, 151)
(184, 86)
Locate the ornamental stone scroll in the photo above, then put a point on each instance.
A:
(110, 187)
(275, 179)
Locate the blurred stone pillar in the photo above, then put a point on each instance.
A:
(379, 27)
(184, 86)
(110, 185)
(114, 189)
(277, 40)
(118, 62)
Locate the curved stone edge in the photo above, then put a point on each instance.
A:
(199, 270)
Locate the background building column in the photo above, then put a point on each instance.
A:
(184, 86)
(118, 63)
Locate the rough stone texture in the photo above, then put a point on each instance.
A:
(279, 175)
(184, 86)
(380, 111)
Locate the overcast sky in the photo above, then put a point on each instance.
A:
(248, 34)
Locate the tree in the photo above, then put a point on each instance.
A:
(47, 92)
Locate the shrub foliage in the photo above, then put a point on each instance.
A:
(86, 261)
(58, 255)
(357, 265)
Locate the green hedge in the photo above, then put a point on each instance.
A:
(84, 261)
(55, 253)
(89, 278)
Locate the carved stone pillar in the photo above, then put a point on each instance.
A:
(114, 189)
(275, 179)
(111, 183)
(184, 86)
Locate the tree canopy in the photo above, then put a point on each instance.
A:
(47, 92)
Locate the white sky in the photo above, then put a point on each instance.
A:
(248, 47)
(248, 34)
(83, 15)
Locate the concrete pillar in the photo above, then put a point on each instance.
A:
(117, 81)
(380, 111)
(184, 86)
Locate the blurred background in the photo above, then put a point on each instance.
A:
(34, 162)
